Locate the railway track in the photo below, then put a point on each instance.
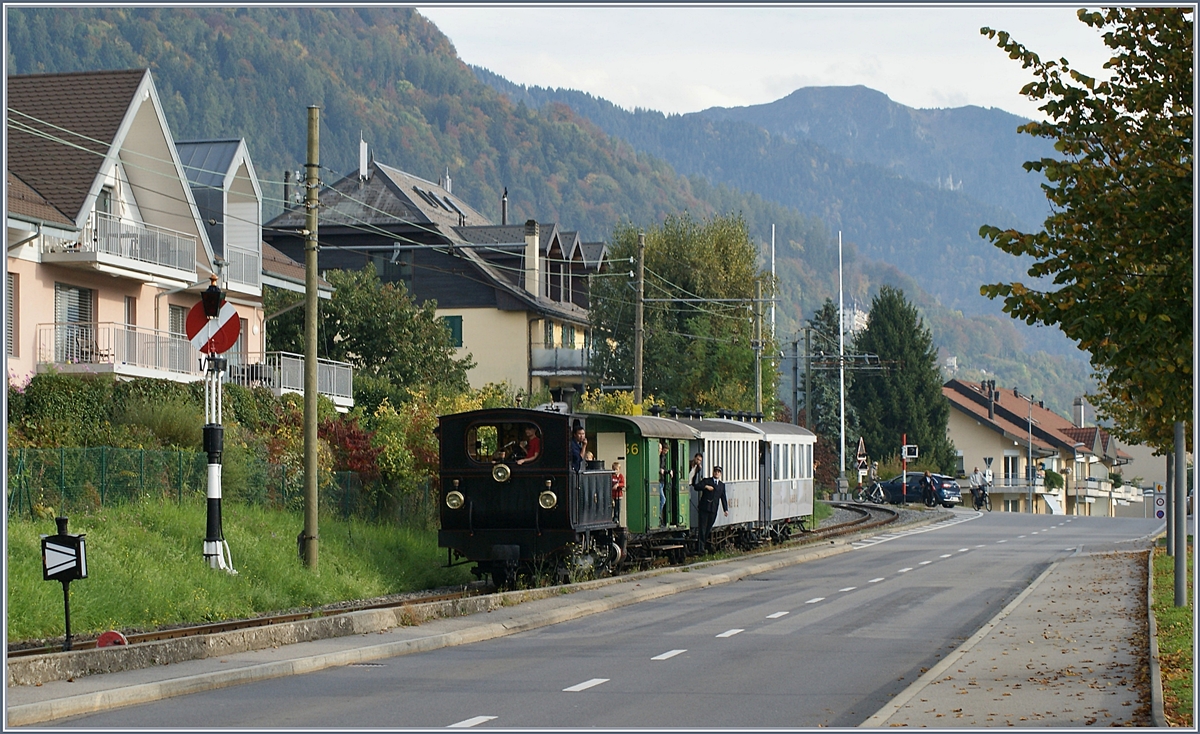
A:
(869, 516)
(240, 624)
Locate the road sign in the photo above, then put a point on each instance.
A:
(1160, 505)
(213, 336)
(861, 457)
(910, 451)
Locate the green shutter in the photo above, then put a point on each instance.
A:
(454, 324)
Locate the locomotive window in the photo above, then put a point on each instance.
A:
(510, 442)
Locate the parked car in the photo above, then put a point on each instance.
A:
(946, 489)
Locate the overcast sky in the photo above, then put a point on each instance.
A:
(684, 59)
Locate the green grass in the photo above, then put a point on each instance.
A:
(145, 568)
(1175, 635)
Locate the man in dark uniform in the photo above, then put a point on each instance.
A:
(712, 491)
(578, 446)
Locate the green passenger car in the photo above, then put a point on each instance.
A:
(649, 450)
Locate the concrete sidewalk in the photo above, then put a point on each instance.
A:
(1071, 650)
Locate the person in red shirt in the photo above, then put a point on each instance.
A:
(533, 445)
(618, 490)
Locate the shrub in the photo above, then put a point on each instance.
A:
(173, 421)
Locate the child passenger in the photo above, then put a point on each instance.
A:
(618, 490)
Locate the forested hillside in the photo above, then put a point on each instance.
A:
(390, 75)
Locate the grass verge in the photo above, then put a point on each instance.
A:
(145, 569)
(1175, 635)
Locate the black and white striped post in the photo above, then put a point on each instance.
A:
(216, 548)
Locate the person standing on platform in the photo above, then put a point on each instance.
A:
(712, 492)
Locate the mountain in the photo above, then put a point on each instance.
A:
(973, 150)
(390, 75)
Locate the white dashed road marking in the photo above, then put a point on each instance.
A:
(730, 633)
(945, 555)
(905, 570)
(848, 588)
(777, 615)
(875, 581)
(671, 653)
(1022, 536)
(468, 723)
(964, 550)
(815, 600)
(585, 685)
(1001, 541)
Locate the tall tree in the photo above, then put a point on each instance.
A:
(907, 397)
(1114, 261)
(697, 352)
(826, 419)
(392, 343)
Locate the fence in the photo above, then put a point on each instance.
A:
(65, 480)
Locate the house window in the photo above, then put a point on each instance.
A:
(549, 337)
(395, 267)
(74, 331)
(177, 320)
(10, 315)
(178, 352)
(568, 336)
(104, 201)
(961, 464)
(454, 324)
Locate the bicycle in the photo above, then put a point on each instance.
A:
(873, 494)
(982, 500)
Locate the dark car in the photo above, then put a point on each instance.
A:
(946, 489)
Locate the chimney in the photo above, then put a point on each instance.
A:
(287, 190)
(504, 208)
(446, 183)
(532, 256)
(991, 405)
(1079, 411)
(362, 157)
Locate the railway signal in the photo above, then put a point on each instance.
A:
(64, 559)
(211, 331)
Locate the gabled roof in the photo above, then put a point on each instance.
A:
(25, 203)
(61, 127)
(593, 254)
(547, 232)
(1051, 431)
(569, 242)
(207, 162)
(493, 234)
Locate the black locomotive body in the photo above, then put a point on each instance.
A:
(509, 500)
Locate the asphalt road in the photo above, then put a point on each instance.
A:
(824, 643)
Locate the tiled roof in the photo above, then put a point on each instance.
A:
(206, 162)
(1002, 421)
(83, 109)
(23, 201)
(354, 203)
(493, 234)
(593, 254)
(283, 267)
(546, 234)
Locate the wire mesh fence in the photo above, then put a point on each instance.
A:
(48, 481)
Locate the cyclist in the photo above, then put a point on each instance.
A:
(977, 483)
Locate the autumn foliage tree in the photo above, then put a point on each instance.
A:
(1113, 263)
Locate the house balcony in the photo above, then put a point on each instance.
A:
(122, 246)
(131, 351)
(558, 362)
(282, 372)
(244, 268)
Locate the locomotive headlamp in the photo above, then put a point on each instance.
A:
(455, 500)
(501, 473)
(547, 500)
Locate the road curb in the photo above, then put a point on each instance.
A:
(889, 709)
(1158, 715)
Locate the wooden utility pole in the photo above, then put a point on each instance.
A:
(796, 379)
(313, 169)
(638, 315)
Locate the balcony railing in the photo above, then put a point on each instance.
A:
(244, 266)
(283, 372)
(116, 344)
(133, 350)
(110, 235)
(558, 359)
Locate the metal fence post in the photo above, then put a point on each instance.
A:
(103, 474)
